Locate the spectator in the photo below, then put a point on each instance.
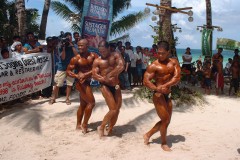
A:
(32, 45)
(236, 57)
(129, 51)
(215, 59)
(5, 53)
(76, 37)
(145, 60)
(153, 50)
(139, 65)
(119, 45)
(68, 51)
(112, 47)
(187, 59)
(17, 49)
(124, 74)
(234, 69)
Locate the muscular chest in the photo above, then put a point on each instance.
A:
(85, 62)
(108, 64)
(165, 69)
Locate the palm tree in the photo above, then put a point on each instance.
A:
(9, 20)
(118, 26)
(21, 16)
(43, 24)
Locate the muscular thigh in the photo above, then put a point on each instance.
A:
(85, 92)
(161, 106)
(109, 98)
(118, 98)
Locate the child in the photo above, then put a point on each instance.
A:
(207, 78)
(5, 53)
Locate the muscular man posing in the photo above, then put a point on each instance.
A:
(166, 73)
(83, 64)
(106, 70)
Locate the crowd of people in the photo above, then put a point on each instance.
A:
(211, 71)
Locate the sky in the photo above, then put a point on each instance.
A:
(225, 13)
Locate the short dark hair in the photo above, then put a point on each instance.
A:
(113, 45)
(164, 45)
(104, 44)
(236, 50)
(4, 51)
(220, 48)
(75, 33)
(139, 47)
(119, 42)
(67, 34)
(16, 37)
(127, 43)
(30, 33)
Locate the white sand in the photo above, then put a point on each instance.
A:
(38, 131)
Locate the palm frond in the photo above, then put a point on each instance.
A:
(126, 22)
(77, 5)
(119, 6)
(61, 10)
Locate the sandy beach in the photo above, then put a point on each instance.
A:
(37, 131)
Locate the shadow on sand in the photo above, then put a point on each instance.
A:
(171, 139)
(238, 150)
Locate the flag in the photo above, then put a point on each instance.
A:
(206, 46)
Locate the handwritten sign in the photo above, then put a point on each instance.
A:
(24, 75)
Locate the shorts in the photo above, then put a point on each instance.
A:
(219, 81)
(235, 83)
(207, 82)
(60, 77)
(188, 67)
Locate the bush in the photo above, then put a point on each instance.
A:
(180, 95)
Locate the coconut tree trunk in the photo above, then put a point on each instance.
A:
(43, 24)
(21, 17)
(166, 33)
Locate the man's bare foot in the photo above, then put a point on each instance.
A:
(108, 132)
(166, 148)
(84, 129)
(146, 139)
(79, 127)
(100, 131)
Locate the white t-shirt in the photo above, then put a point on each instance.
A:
(130, 53)
(134, 60)
(187, 56)
(145, 61)
(16, 54)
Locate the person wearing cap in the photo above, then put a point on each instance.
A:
(17, 49)
(67, 52)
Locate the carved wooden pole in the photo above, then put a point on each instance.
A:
(209, 21)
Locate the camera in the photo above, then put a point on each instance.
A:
(65, 41)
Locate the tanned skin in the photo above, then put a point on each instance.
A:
(166, 73)
(106, 70)
(82, 63)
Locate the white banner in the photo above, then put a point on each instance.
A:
(24, 75)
